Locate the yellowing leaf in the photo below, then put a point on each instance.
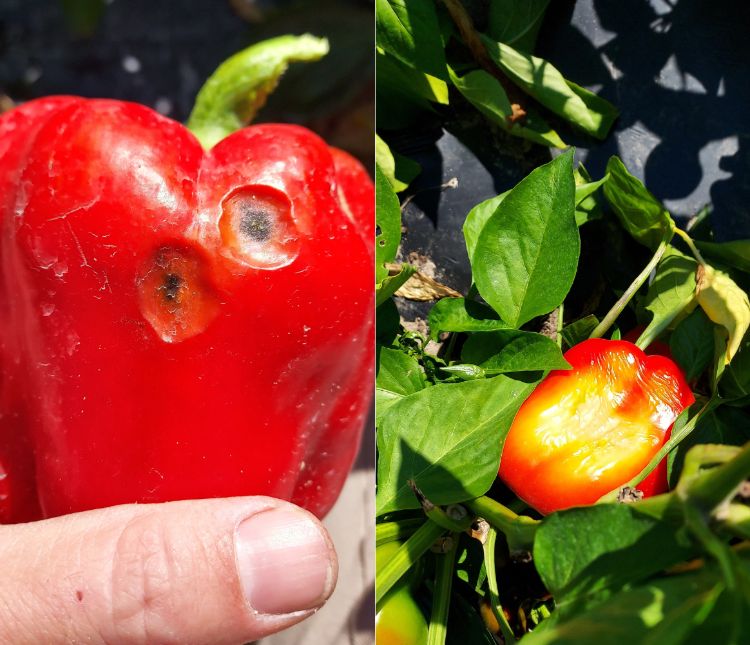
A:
(724, 303)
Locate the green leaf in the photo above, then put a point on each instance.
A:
(409, 30)
(513, 351)
(478, 216)
(388, 220)
(419, 87)
(399, 170)
(735, 254)
(387, 323)
(640, 213)
(588, 207)
(527, 253)
(486, 94)
(672, 291)
(585, 554)
(692, 344)
(402, 93)
(459, 314)
(724, 303)
(589, 188)
(516, 22)
(391, 284)
(447, 438)
(398, 376)
(578, 331)
(539, 79)
(239, 87)
(735, 379)
(670, 610)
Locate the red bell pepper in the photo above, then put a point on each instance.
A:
(174, 322)
(585, 431)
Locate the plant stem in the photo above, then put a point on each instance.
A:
(519, 530)
(497, 609)
(560, 314)
(691, 245)
(718, 484)
(411, 550)
(442, 595)
(626, 297)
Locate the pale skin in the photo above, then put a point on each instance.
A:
(207, 571)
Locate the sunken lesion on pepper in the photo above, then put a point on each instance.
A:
(255, 223)
(175, 294)
(172, 285)
(258, 229)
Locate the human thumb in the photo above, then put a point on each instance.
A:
(208, 571)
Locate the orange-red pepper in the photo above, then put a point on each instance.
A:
(585, 431)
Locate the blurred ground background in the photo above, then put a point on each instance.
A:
(159, 53)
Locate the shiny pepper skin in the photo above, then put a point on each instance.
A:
(177, 323)
(583, 432)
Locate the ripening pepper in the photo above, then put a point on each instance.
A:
(585, 431)
(399, 620)
(177, 322)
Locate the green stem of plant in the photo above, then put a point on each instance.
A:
(560, 313)
(691, 245)
(519, 530)
(704, 456)
(396, 530)
(626, 297)
(442, 595)
(716, 485)
(411, 550)
(497, 609)
(239, 87)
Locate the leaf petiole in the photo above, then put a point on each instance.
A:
(442, 595)
(626, 297)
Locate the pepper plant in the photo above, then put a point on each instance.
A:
(616, 415)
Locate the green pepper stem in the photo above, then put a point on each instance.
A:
(442, 595)
(239, 87)
(519, 530)
(411, 550)
(626, 297)
(497, 609)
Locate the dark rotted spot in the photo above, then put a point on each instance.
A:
(256, 223)
(171, 286)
